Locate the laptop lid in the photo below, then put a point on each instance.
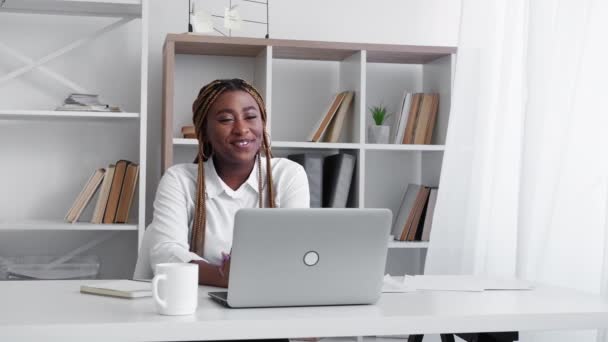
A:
(301, 257)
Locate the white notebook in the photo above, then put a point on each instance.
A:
(120, 288)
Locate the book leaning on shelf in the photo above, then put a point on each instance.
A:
(329, 126)
(414, 220)
(117, 184)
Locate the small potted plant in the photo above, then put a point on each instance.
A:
(378, 132)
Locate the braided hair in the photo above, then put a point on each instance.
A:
(200, 110)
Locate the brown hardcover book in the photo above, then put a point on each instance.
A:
(115, 189)
(335, 126)
(188, 132)
(102, 199)
(85, 195)
(324, 121)
(414, 215)
(428, 219)
(426, 118)
(126, 194)
(410, 127)
(435, 109)
(418, 215)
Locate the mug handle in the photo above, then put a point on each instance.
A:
(155, 280)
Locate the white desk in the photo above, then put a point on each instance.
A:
(56, 311)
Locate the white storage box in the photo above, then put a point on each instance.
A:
(42, 268)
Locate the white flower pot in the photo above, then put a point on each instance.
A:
(378, 134)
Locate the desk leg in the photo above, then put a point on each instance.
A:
(510, 336)
(447, 337)
(415, 338)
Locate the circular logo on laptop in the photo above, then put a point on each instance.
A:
(311, 258)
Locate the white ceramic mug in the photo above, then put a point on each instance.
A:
(175, 288)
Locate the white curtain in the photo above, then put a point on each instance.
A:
(524, 189)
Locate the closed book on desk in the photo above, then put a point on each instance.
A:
(337, 178)
(119, 288)
(313, 165)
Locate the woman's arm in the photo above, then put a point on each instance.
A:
(295, 193)
(213, 275)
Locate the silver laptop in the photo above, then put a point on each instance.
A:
(302, 257)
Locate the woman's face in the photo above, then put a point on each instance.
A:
(235, 128)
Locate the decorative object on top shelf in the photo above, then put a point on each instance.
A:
(86, 103)
(378, 133)
(201, 21)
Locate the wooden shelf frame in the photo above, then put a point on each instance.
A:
(434, 66)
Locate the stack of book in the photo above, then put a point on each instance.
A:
(414, 220)
(329, 126)
(188, 132)
(117, 183)
(329, 178)
(415, 120)
(86, 103)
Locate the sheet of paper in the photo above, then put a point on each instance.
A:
(395, 285)
(464, 283)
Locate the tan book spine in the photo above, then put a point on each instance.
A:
(424, 119)
(85, 195)
(411, 235)
(334, 129)
(408, 137)
(321, 126)
(127, 193)
(434, 112)
(411, 215)
(115, 189)
(102, 199)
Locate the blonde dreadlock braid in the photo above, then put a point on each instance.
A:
(200, 108)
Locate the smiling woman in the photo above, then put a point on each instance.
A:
(195, 203)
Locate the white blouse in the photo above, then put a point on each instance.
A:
(167, 238)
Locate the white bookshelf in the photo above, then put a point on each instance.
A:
(75, 7)
(85, 46)
(53, 114)
(298, 79)
(49, 225)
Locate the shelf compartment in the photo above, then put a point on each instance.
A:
(60, 225)
(55, 114)
(74, 7)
